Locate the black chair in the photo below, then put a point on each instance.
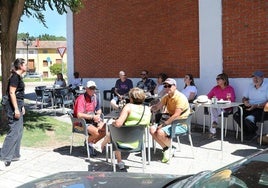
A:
(64, 97)
(108, 95)
(123, 136)
(42, 95)
(263, 119)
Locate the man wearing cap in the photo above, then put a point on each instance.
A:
(87, 106)
(121, 89)
(177, 106)
(254, 100)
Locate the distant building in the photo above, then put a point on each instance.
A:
(41, 55)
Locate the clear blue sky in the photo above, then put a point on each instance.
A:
(55, 22)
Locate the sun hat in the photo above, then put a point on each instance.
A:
(257, 74)
(170, 81)
(91, 84)
(202, 99)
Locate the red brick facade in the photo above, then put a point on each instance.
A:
(245, 37)
(163, 36)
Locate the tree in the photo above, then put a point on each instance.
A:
(11, 12)
(10, 15)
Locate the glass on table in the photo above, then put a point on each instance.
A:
(228, 96)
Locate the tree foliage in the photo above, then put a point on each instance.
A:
(45, 37)
(11, 12)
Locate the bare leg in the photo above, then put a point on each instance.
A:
(160, 137)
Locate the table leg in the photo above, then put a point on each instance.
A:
(222, 129)
(241, 122)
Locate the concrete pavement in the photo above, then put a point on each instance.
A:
(37, 163)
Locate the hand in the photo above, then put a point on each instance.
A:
(17, 114)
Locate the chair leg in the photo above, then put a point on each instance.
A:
(226, 126)
(179, 143)
(191, 143)
(143, 154)
(71, 146)
(261, 133)
(113, 161)
(204, 124)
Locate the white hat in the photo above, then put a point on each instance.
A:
(91, 84)
(202, 99)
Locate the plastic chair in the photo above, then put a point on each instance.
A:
(263, 119)
(79, 126)
(173, 135)
(125, 135)
(42, 95)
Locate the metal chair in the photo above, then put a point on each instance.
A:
(263, 119)
(42, 95)
(128, 139)
(64, 97)
(173, 135)
(79, 126)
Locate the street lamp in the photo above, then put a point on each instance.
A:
(28, 43)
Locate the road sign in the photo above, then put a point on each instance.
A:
(61, 51)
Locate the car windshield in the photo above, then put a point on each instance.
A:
(249, 172)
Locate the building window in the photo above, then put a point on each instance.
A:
(45, 51)
(58, 61)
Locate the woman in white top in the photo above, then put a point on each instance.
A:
(159, 89)
(189, 90)
(60, 81)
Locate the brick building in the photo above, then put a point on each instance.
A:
(202, 37)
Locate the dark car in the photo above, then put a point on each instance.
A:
(251, 171)
(32, 75)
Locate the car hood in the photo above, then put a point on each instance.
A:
(78, 179)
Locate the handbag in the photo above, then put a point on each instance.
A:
(5, 100)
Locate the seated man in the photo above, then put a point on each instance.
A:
(76, 82)
(253, 100)
(121, 89)
(177, 106)
(87, 106)
(147, 84)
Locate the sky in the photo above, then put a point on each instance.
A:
(55, 22)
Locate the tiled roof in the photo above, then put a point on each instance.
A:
(42, 44)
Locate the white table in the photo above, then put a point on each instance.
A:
(224, 106)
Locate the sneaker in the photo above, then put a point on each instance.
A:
(97, 147)
(214, 124)
(121, 165)
(165, 158)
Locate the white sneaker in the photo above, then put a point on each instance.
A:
(121, 165)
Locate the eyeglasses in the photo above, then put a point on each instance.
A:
(218, 78)
(167, 86)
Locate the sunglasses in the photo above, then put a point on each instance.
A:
(167, 86)
(218, 78)
(92, 88)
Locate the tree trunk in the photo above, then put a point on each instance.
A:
(11, 12)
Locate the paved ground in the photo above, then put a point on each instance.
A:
(38, 163)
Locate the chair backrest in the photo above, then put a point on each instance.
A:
(127, 138)
(78, 124)
(264, 116)
(108, 94)
(186, 121)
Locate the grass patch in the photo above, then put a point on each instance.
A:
(41, 130)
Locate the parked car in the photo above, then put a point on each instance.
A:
(251, 171)
(33, 75)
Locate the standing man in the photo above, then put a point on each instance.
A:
(121, 89)
(177, 106)
(87, 106)
(147, 84)
(254, 100)
(15, 110)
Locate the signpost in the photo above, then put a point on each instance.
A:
(61, 51)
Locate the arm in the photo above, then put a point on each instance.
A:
(123, 116)
(191, 96)
(13, 98)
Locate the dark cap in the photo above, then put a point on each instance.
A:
(257, 74)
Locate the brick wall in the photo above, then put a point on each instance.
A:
(245, 37)
(160, 36)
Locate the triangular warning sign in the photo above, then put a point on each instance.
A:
(61, 51)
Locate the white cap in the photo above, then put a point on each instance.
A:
(91, 84)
